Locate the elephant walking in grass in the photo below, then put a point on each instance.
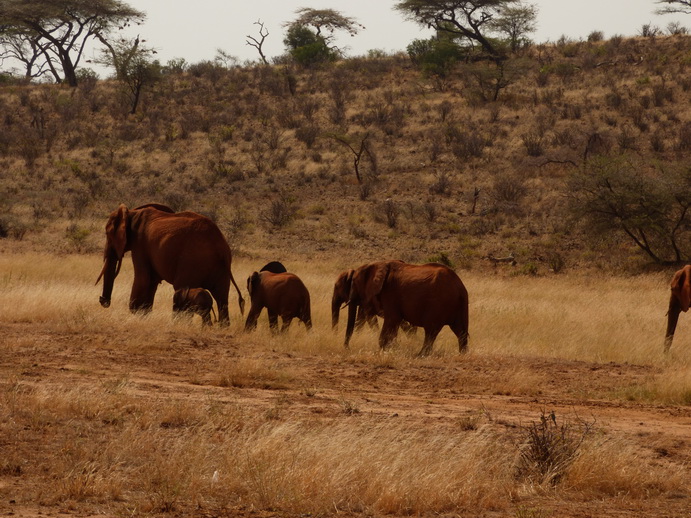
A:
(182, 248)
(282, 294)
(430, 296)
(340, 296)
(365, 313)
(679, 301)
(194, 300)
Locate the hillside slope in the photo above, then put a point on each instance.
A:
(269, 152)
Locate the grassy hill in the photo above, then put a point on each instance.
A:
(268, 152)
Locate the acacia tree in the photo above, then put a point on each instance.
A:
(27, 50)
(515, 22)
(652, 207)
(133, 66)
(312, 33)
(674, 6)
(61, 28)
(468, 19)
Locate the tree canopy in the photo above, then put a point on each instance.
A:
(61, 28)
(674, 6)
(309, 37)
(470, 19)
(649, 205)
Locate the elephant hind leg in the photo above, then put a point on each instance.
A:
(461, 333)
(286, 324)
(389, 330)
(273, 321)
(220, 295)
(430, 336)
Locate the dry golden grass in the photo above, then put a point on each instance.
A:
(142, 441)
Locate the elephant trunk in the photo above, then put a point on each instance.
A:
(111, 268)
(352, 312)
(672, 319)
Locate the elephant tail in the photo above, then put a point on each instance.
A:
(241, 301)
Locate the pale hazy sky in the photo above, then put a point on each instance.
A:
(194, 30)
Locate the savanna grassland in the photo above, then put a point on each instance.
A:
(565, 404)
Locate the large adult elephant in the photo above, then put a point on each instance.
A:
(182, 248)
(427, 295)
(679, 301)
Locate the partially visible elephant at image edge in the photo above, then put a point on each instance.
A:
(679, 301)
(182, 248)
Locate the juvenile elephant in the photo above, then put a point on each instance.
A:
(194, 300)
(282, 294)
(183, 248)
(679, 301)
(428, 296)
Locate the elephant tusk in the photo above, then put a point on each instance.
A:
(101, 274)
(103, 270)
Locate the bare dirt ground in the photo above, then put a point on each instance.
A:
(432, 394)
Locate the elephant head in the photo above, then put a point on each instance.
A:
(116, 246)
(367, 283)
(679, 301)
(340, 295)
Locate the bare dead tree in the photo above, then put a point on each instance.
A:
(258, 43)
(358, 152)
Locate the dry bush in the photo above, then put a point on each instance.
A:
(550, 448)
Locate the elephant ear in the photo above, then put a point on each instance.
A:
(378, 279)
(349, 277)
(681, 287)
(253, 282)
(116, 231)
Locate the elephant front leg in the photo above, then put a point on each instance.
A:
(252, 317)
(142, 295)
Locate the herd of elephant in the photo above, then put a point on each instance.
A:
(189, 251)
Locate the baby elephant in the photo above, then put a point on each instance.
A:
(282, 294)
(194, 300)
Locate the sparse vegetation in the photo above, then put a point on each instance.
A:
(327, 167)
(258, 420)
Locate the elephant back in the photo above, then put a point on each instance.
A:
(274, 267)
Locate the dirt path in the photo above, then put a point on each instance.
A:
(446, 392)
